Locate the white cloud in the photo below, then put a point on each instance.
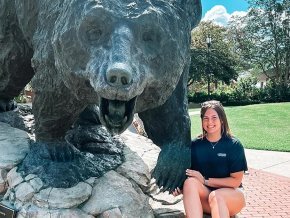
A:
(219, 15)
(239, 13)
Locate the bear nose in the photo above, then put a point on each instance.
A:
(119, 75)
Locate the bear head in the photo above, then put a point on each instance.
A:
(126, 56)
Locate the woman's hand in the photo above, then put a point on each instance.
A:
(196, 174)
(176, 192)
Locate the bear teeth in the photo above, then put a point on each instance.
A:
(117, 115)
(124, 120)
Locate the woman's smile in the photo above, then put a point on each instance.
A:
(211, 122)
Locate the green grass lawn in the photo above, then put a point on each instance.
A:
(260, 126)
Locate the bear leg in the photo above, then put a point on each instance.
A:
(15, 57)
(169, 127)
(54, 113)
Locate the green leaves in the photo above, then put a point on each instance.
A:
(262, 38)
(218, 60)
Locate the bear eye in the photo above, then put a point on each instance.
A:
(148, 37)
(94, 34)
(151, 36)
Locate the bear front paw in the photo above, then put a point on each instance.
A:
(61, 151)
(169, 172)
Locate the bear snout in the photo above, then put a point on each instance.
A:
(119, 75)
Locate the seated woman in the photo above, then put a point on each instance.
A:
(214, 183)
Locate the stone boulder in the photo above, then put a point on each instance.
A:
(115, 191)
(14, 145)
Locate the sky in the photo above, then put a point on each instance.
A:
(220, 11)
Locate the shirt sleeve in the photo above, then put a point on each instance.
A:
(237, 160)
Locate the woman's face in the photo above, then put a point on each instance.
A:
(211, 122)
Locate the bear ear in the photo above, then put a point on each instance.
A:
(193, 11)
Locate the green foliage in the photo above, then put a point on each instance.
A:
(20, 98)
(262, 38)
(259, 41)
(244, 92)
(197, 97)
(274, 92)
(218, 60)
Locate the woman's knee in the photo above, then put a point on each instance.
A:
(215, 198)
(190, 184)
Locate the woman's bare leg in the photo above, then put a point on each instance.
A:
(195, 198)
(226, 202)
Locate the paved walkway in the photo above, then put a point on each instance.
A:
(267, 194)
(267, 185)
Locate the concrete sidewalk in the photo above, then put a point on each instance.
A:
(269, 161)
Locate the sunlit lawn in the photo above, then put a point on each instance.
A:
(260, 126)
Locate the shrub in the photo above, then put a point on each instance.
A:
(198, 97)
(274, 92)
(245, 92)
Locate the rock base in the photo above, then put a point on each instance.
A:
(123, 191)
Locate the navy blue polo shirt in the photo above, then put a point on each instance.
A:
(227, 156)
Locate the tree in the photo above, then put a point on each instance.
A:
(218, 60)
(262, 38)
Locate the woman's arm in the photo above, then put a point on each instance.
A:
(233, 181)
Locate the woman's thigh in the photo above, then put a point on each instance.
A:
(203, 192)
(234, 198)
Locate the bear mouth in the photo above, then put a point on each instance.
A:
(117, 115)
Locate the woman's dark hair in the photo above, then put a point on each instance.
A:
(217, 106)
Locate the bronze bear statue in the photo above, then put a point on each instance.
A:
(111, 58)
